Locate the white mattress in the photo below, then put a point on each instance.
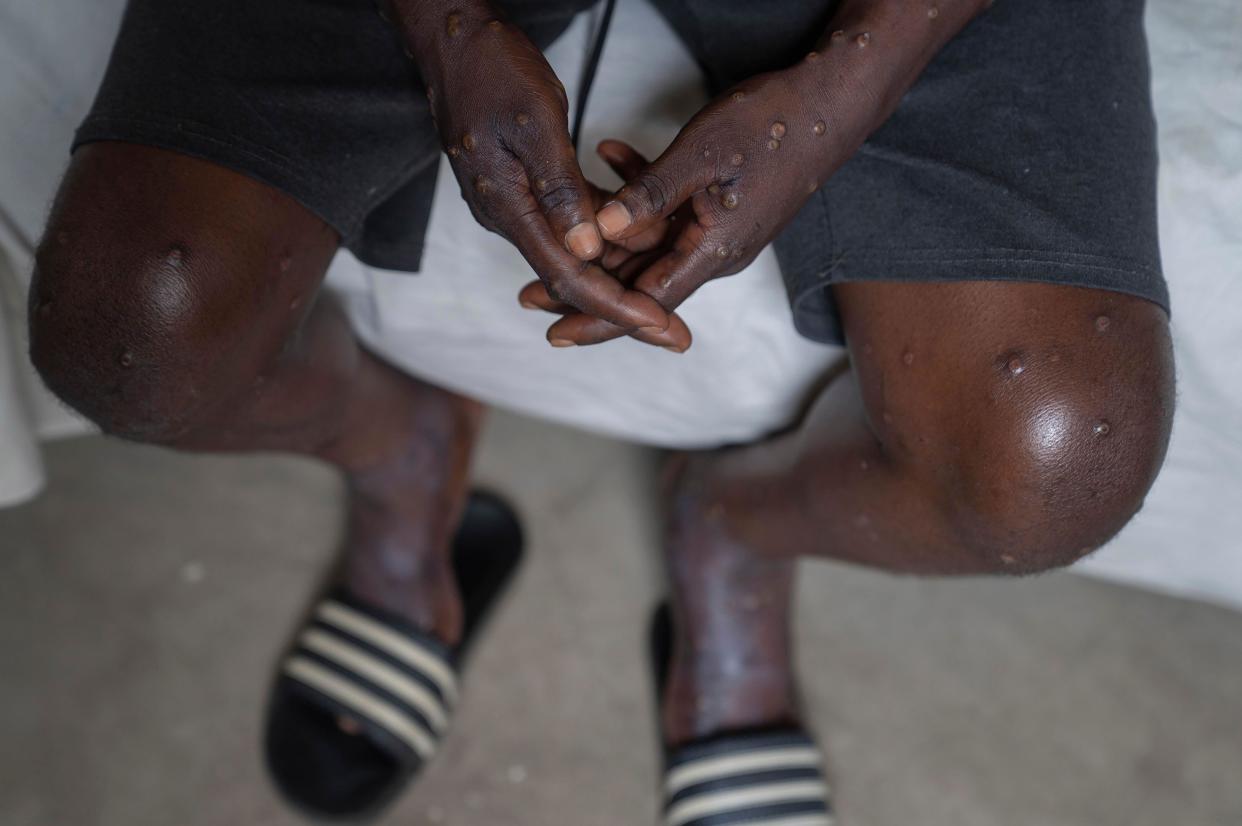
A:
(458, 322)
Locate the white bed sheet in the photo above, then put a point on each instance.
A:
(747, 370)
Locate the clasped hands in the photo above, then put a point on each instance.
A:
(615, 264)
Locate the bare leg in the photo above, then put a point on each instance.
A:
(175, 302)
(984, 428)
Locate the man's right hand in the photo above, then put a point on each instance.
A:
(503, 118)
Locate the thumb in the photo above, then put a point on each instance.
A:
(655, 192)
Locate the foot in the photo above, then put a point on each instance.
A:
(731, 666)
(403, 513)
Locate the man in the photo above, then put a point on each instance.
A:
(988, 255)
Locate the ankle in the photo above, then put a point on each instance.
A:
(399, 543)
(712, 692)
(731, 661)
(417, 584)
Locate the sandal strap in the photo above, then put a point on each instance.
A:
(771, 778)
(389, 675)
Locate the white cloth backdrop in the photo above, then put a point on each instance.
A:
(747, 370)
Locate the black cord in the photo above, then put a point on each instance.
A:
(589, 70)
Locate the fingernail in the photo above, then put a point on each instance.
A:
(614, 218)
(673, 349)
(529, 305)
(584, 240)
(651, 331)
(562, 342)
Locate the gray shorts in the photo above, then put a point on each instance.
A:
(1025, 152)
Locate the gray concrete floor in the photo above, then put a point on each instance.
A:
(145, 597)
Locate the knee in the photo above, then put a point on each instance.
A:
(1055, 486)
(166, 288)
(123, 333)
(1053, 457)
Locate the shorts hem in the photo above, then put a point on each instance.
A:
(230, 151)
(1083, 270)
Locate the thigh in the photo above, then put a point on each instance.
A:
(1025, 152)
(316, 98)
(312, 97)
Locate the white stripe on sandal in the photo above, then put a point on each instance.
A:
(393, 643)
(354, 697)
(715, 768)
(380, 673)
(767, 794)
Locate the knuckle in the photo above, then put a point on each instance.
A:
(719, 255)
(556, 286)
(521, 229)
(654, 189)
(552, 109)
(561, 282)
(482, 210)
(481, 215)
(530, 124)
(562, 100)
(557, 193)
(711, 211)
(526, 221)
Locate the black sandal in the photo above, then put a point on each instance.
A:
(398, 683)
(757, 777)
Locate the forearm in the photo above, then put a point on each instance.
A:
(872, 53)
(747, 162)
(503, 118)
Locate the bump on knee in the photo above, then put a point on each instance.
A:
(1038, 481)
(111, 340)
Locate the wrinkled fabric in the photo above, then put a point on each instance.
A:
(1026, 151)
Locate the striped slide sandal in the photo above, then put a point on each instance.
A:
(773, 778)
(396, 685)
(759, 777)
